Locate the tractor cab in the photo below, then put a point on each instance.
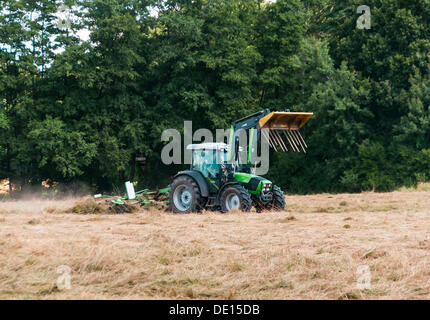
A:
(210, 158)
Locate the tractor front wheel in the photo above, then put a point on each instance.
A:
(235, 198)
(278, 203)
(184, 195)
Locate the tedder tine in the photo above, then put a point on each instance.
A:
(274, 141)
(289, 141)
(301, 137)
(293, 139)
(292, 144)
(267, 139)
(282, 141)
(271, 142)
(298, 140)
(279, 141)
(272, 138)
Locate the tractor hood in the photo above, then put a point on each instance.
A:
(253, 183)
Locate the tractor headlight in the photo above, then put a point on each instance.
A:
(266, 188)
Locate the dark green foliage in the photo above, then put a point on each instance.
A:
(371, 127)
(57, 149)
(73, 111)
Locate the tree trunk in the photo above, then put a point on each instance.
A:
(8, 168)
(132, 168)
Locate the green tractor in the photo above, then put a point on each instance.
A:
(218, 182)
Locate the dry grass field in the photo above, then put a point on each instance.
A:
(311, 251)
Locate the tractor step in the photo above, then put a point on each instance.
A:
(212, 202)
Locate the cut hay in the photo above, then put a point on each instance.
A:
(88, 205)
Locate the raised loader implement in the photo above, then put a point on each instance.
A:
(216, 182)
(285, 125)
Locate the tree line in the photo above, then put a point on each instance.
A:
(89, 111)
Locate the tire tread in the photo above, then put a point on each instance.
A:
(245, 198)
(196, 193)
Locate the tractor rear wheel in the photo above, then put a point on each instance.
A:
(184, 195)
(235, 197)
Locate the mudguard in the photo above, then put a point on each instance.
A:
(224, 186)
(198, 178)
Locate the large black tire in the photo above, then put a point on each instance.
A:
(235, 197)
(278, 203)
(258, 205)
(185, 196)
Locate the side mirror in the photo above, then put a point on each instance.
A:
(236, 149)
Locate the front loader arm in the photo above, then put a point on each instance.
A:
(278, 128)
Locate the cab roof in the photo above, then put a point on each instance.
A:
(209, 146)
